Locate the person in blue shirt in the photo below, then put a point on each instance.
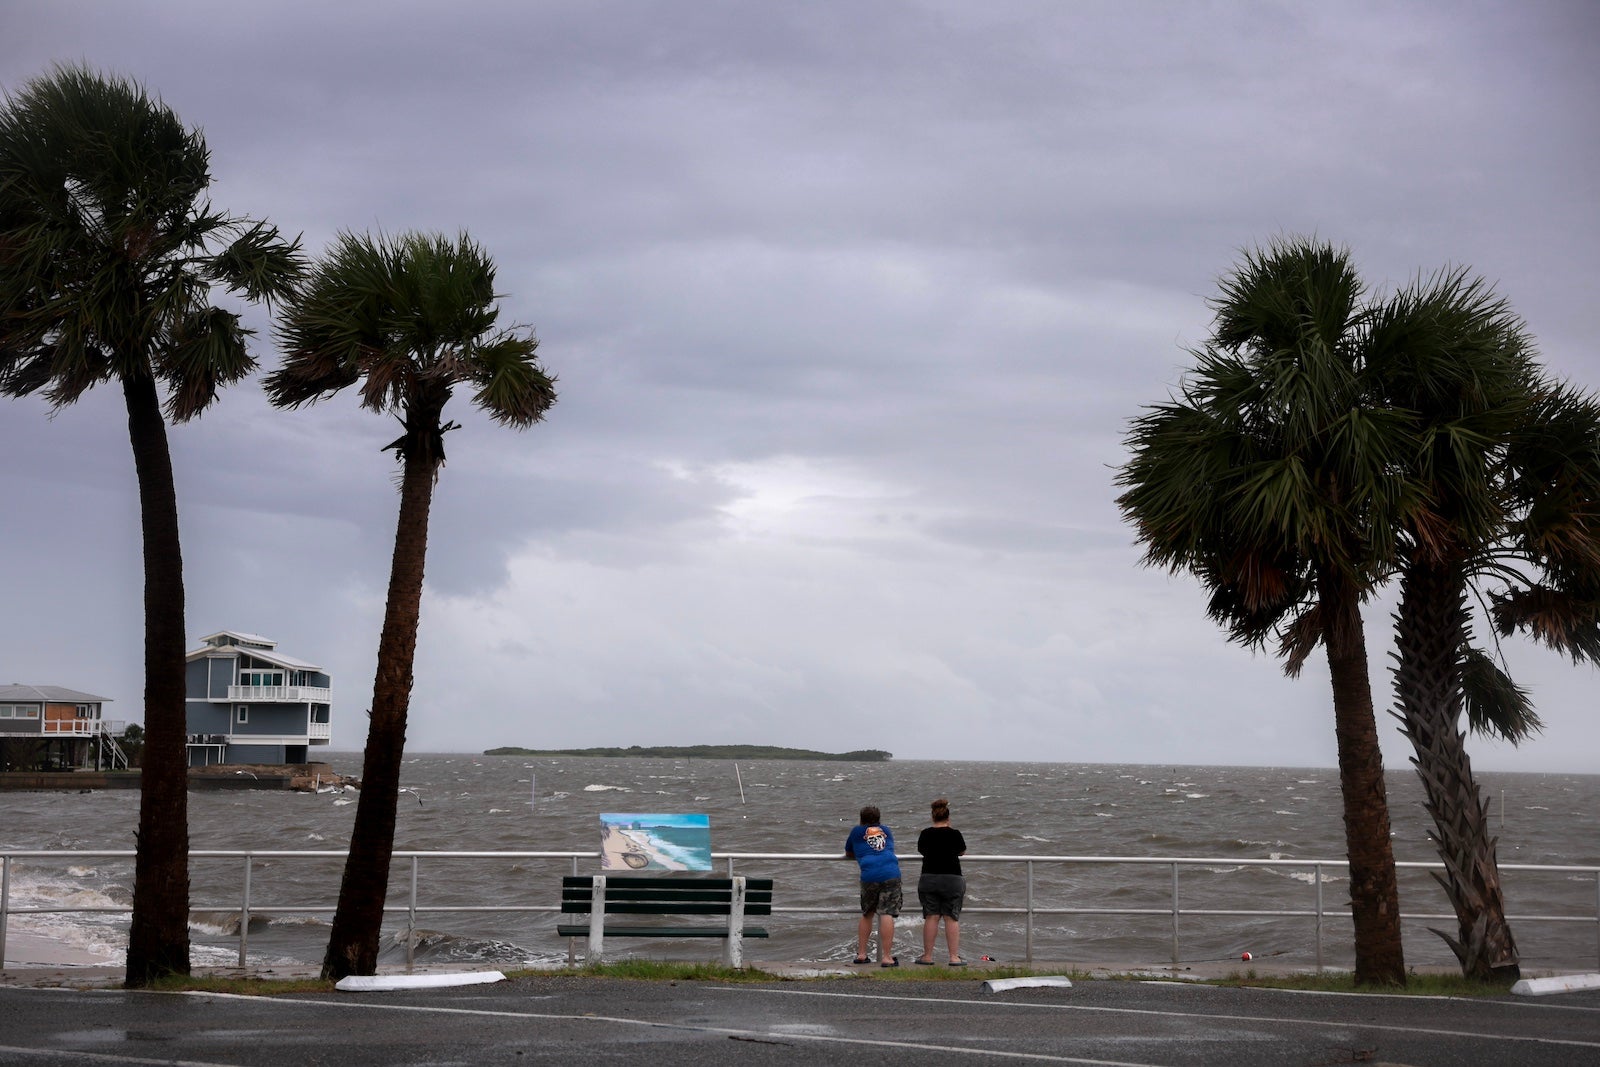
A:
(871, 845)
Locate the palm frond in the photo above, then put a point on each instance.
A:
(208, 352)
(1299, 638)
(1556, 618)
(1495, 705)
(512, 387)
(259, 263)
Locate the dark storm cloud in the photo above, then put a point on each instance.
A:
(849, 304)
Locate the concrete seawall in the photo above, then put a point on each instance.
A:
(75, 781)
(304, 777)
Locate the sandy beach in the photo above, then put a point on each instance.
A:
(617, 843)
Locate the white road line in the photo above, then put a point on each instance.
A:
(765, 1035)
(78, 1054)
(1274, 1020)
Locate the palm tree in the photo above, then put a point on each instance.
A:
(1272, 477)
(409, 317)
(1509, 474)
(109, 255)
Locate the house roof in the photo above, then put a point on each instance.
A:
(270, 655)
(240, 635)
(54, 694)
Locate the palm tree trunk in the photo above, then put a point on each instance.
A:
(158, 939)
(1374, 894)
(1431, 631)
(358, 923)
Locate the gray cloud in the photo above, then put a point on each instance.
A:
(850, 305)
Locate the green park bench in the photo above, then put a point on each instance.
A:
(599, 896)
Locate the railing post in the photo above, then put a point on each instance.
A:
(5, 904)
(1596, 918)
(733, 944)
(1316, 876)
(1028, 925)
(411, 918)
(244, 912)
(1174, 914)
(597, 920)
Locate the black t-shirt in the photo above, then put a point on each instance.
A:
(941, 848)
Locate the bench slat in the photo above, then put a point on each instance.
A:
(660, 931)
(614, 892)
(643, 907)
(582, 881)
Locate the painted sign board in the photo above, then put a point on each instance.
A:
(655, 842)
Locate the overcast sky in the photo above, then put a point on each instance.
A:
(850, 306)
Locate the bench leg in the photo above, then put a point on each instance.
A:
(597, 920)
(733, 946)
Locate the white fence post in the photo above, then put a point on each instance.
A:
(597, 920)
(5, 904)
(1027, 946)
(244, 912)
(411, 918)
(1174, 914)
(733, 949)
(1316, 875)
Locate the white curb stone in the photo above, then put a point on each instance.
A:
(1000, 985)
(1561, 983)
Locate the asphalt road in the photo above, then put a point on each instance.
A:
(594, 1021)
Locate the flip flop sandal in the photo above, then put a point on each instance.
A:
(958, 963)
(861, 962)
(895, 962)
(924, 963)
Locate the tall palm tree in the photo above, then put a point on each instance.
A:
(410, 318)
(1272, 477)
(1509, 479)
(109, 257)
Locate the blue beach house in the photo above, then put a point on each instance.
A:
(250, 703)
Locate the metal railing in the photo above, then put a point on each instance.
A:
(1030, 909)
(294, 694)
(83, 727)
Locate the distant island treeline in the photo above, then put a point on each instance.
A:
(864, 755)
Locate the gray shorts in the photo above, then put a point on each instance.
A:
(942, 894)
(884, 898)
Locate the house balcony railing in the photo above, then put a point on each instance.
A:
(319, 731)
(280, 694)
(82, 727)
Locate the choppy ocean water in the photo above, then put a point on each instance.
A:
(479, 803)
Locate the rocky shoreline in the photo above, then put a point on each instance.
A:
(299, 777)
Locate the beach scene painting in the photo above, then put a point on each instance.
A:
(657, 842)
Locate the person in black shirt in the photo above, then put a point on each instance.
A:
(941, 889)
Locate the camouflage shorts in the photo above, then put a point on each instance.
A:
(884, 898)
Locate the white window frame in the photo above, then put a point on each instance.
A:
(241, 714)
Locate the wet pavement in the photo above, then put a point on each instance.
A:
(852, 1017)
